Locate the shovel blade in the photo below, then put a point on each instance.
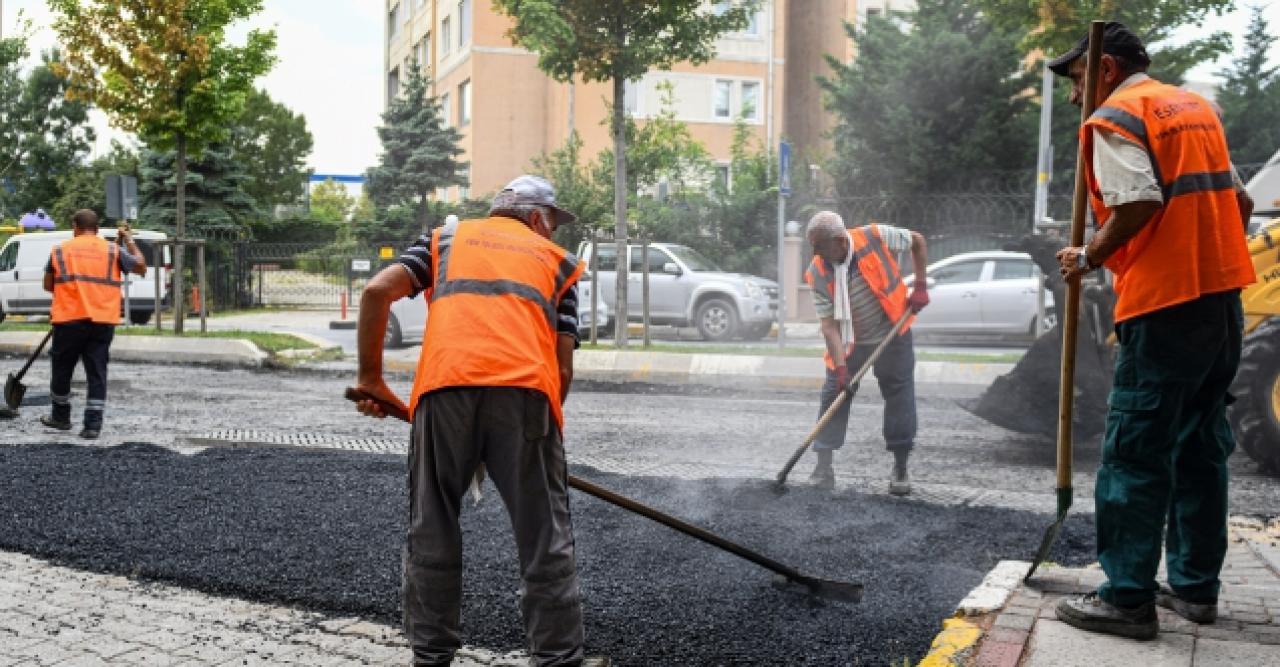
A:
(14, 390)
(839, 591)
(1051, 535)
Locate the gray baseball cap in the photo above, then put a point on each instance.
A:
(530, 190)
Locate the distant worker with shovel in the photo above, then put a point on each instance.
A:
(84, 274)
(861, 299)
(1159, 181)
(496, 364)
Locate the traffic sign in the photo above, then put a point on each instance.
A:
(122, 197)
(361, 265)
(386, 252)
(784, 169)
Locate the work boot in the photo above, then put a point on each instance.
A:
(1202, 613)
(899, 481)
(54, 422)
(89, 433)
(823, 475)
(1092, 613)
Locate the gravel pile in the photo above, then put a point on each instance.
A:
(324, 531)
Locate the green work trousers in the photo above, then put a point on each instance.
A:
(1164, 458)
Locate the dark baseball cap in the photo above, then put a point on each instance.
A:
(1117, 40)
(531, 191)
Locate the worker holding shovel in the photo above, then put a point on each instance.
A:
(1159, 182)
(496, 364)
(84, 275)
(861, 299)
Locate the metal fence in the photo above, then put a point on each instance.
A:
(298, 275)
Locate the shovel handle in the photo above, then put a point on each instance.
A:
(34, 355)
(1071, 315)
(636, 507)
(845, 393)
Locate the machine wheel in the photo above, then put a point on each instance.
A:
(757, 331)
(717, 320)
(393, 337)
(1255, 416)
(139, 317)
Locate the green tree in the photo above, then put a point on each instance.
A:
(419, 154)
(272, 143)
(216, 187)
(620, 41)
(1054, 26)
(43, 135)
(908, 123)
(84, 186)
(165, 70)
(330, 202)
(1250, 97)
(577, 189)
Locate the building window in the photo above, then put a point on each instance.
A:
(750, 103)
(464, 22)
(722, 176)
(424, 51)
(393, 84)
(393, 21)
(721, 102)
(720, 7)
(753, 28)
(445, 36)
(446, 111)
(631, 97)
(464, 102)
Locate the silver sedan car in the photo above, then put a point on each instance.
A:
(987, 293)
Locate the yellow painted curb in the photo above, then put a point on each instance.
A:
(957, 636)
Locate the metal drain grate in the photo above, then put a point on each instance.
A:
(249, 438)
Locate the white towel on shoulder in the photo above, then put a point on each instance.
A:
(844, 313)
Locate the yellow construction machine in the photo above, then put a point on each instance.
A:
(1255, 416)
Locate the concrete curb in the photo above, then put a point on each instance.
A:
(157, 349)
(737, 371)
(958, 637)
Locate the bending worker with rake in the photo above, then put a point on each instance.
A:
(859, 294)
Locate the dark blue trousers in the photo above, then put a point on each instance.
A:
(84, 342)
(895, 372)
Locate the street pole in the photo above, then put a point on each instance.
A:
(782, 288)
(1044, 164)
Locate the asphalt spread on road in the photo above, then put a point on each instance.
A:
(324, 531)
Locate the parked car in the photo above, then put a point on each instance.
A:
(986, 293)
(685, 289)
(408, 321)
(24, 256)
(584, 315)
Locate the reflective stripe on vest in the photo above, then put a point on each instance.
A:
(492, 309)
(1195, 243)
(86, 281)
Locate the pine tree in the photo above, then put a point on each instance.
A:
(215, 195)
(419, 154)
(1250, 97)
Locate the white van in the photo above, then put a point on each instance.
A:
(24, 257)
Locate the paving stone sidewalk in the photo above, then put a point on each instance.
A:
(52, 615)
(1019, 627)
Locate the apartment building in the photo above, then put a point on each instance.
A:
(509, 112)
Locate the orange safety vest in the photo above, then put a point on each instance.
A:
(492, 306)
(86, 281)
(1195, 245)
(878, 268)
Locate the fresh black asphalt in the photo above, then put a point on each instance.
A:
(324, 531)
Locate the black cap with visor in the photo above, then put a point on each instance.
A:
(1117, 40)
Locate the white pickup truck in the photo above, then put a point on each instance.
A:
(685, 289)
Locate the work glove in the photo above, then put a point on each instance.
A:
(842, 376)
(919, 299)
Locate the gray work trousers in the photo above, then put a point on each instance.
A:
(514, 434)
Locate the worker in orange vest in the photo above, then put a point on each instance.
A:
(859, 294)
(84, 275)
(1161, 187)
(496, 364)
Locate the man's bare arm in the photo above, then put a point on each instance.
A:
(564, 358)
(919, 255)
(386, 287)
(1125, 223)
